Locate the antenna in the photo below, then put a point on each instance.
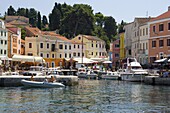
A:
(146, 13)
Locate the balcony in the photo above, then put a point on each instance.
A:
(142, 51)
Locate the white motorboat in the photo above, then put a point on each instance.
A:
(132, 71)
(110, 76)
(44, 84)
(81, 73)
(91, 75)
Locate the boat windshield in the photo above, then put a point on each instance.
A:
(35, 69)
(136, 67)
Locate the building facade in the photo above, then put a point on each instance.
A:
(3, 39)
(116, 54)
(159, 40)
(94, 47)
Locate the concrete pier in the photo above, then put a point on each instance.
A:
(156, 80)
(13, 81)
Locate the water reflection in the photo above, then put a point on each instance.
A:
(94, 96)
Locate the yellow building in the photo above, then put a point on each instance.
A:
(94, 47)
(122, 48)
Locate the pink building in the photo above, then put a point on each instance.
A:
(115, 53)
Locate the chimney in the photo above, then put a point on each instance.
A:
(168, 8)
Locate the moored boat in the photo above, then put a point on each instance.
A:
(44, 84)
(110, 76)
(132, 71)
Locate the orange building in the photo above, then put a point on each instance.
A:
(159, 40)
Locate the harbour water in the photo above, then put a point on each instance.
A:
(90, 96)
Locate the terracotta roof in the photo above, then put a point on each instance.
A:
(143, 20)
(95, 38)
(162, 16)
(33, 30)
(22, 41)
(11, 31)
(75, 42)
(9, 25)
(17, 22)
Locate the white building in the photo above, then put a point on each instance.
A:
(3, 39)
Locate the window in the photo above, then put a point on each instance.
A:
(96, 45)
(4, 52)
(69, 47)
(52, 47)
(146, 45)
(30, 45)
(74, 46)
(92, 44)
(153, 43)
(91, 53)
(41, 45)
(78, 46)
(65, 46)
(47, 45)
(1, 41)
(161, 27)
(116, 55)
(47, 55)
(5, 33)
(78, 54)
(168, 26)
(1, 33)
(60, 55)
(79, 38)
(69, 55)
(18, 41)
(65, 55)
(1, 51)
(161, 43)
(41, 54)
(30, 54)
(146, 31)
(116, 45)
(60, 46)
(52, 64)
(96, 53)
(53, 55)
(74, 54)
(154, 29)
(168, 42)
(143, 32)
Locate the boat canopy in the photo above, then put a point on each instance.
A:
(161, 60)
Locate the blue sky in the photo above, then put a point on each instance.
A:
(125, 10)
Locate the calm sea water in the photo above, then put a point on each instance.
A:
(90, 96)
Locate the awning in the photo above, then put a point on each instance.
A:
(24, 58)
(161, 60)
(107, 62)
(85, 60)
(4, 57)
(0, 62)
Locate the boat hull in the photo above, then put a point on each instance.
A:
(41, 84)
(133, 77)
(109, 77)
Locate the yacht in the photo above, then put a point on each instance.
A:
(132, 70)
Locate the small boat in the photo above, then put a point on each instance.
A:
(82, 73)
(91, 75)
(41, 84)
(111, 76)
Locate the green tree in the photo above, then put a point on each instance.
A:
(21, 12)
(55, 17)
(44, 21)
(121, 27)
(32, 17)
(110, 27)
(79, 20)
(39, 21)
(99, 18)
(11, 11)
